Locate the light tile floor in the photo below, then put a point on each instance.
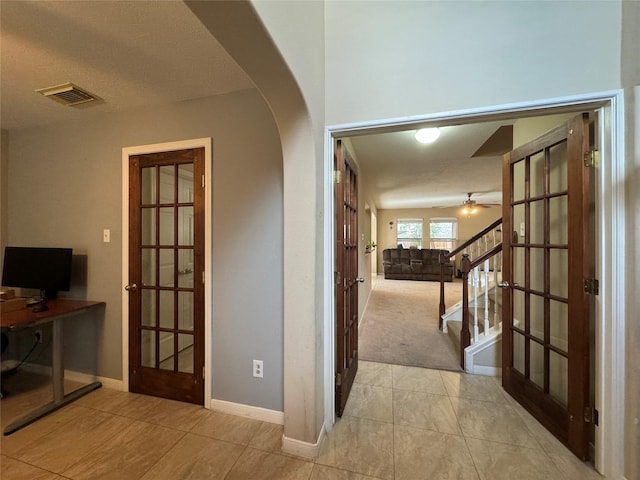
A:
(399, 423)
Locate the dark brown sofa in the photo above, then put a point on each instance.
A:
(414, 264)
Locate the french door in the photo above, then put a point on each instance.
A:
(166, 265)
(545, 331)
(346, 274)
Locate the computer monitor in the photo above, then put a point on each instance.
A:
(45, 269)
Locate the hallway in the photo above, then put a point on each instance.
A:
(399, 423)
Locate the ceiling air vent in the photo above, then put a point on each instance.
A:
(67, 94)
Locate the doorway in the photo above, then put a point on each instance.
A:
(166, 270)
(609, 222)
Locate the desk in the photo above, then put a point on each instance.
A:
(59, 309)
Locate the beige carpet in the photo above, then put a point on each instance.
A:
(400, 324)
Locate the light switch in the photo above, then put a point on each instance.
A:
(522, 229)
(106, 235)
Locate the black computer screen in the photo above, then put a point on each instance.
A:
(40, 268)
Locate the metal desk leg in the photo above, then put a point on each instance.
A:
(57, 380)
(57, 362)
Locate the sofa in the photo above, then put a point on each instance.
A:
(415, 264)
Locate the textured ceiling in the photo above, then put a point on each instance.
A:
(133, 54)
(403, 173)
(128, 53)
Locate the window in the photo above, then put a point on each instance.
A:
(443, 233)
(409, 233)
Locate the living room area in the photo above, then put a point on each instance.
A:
(400, 324)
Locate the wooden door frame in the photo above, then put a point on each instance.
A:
(207, 144)
(610, 232)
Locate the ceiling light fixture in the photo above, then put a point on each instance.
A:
(468, 211)
(427, 135)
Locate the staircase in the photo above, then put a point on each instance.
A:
(484, 355)
(474, 324)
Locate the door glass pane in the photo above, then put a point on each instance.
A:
(148, 219)
(166, 309)
(185, 225)
(185, 311)
(148, 266)
(536, 316)
(167, 184)
(148, 193)
(558, 225)
(536, 363)
(185, 183)
(185, 268)
(166, 226)
(518, 224)
(537, 174)
(559, 272)
(167, 267)
(536, 268)
(558, 168)
(536, 229)
(166, 351)
(518, 309)
(148, 348)
(518, 266)
(518, 352)
(558, 377)
(559, 325)
(148, 308)
(185, 357)
(518, 180)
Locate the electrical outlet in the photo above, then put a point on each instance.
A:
(258, 371)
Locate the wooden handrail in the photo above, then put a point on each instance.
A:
(446, 257)
(477, 236)
(485, 256)
(466, 265)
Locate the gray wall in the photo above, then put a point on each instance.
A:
(65, 187)
(630, 76)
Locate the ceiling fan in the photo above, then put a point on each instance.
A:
(470, 207)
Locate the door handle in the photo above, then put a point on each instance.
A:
(506, 285)
(131, 288)
(360, 279)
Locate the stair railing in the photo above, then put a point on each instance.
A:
(482, 249)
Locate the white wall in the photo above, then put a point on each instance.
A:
(631, 83)
(299, 115)
(390, 59)
(65, 188)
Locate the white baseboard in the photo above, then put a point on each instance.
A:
(247, 411)
(303, 449)
(111, 383)
(488, 371)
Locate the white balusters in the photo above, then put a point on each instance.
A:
(486, 297)
(476, 282)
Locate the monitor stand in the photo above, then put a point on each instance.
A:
(41, 306)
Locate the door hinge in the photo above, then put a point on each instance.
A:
(592, 158)
(591, 415)
(337, 277)
(203, 372)
(338, 379)
(591, 286)
(203, 181)
(203, 277)
(337, 176)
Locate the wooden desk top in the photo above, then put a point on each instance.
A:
(57, 308)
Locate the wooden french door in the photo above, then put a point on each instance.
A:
(346, 274)
(545, 331)
(166, 265)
